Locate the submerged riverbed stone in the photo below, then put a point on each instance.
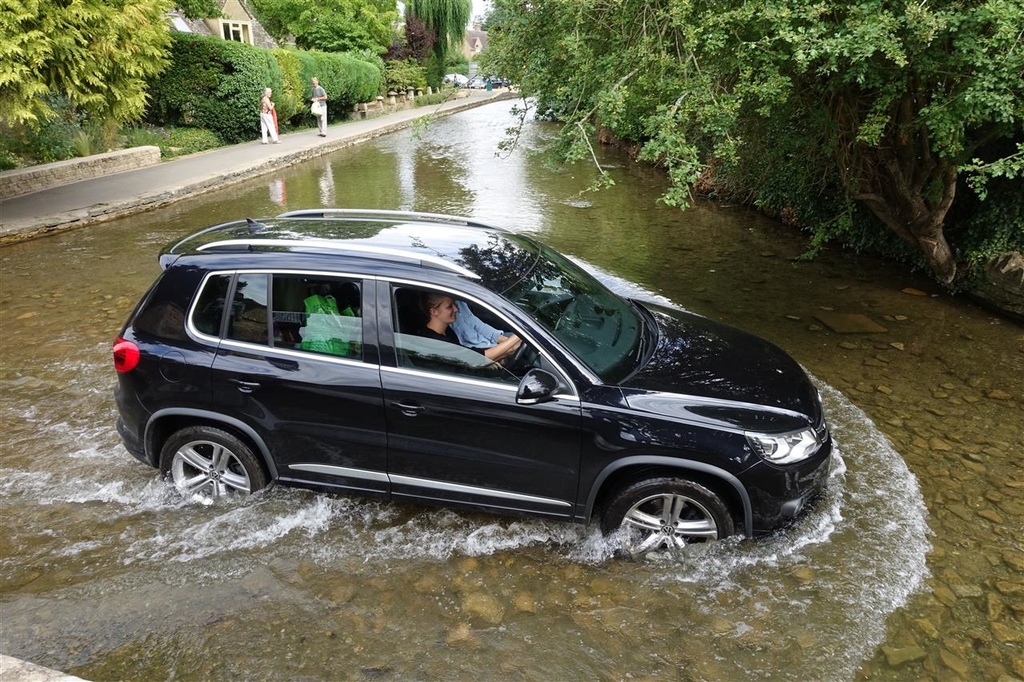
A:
(954, 662)
(1007, 634)
(525, 603)
(849, 323)
(897, 657)
(461, 636)
(484, 607)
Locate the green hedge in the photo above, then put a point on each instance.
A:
(214, 84)
(217, 84)
(346, 79)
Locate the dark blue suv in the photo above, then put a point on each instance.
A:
(298, 349)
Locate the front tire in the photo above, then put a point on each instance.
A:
(207, 463)
(665, 514)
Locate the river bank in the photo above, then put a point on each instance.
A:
(118, 195)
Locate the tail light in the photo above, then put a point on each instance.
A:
(126, 355)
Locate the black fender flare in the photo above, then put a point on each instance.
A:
(675, 463)
(208, 416)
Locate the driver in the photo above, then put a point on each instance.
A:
(442, 312)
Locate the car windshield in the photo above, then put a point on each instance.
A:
(601, 329)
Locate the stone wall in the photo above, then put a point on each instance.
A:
(14, 183)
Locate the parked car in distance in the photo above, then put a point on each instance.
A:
(294, 349)
(456, 79)
(477, 83)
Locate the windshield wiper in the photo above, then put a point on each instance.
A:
(643, 342)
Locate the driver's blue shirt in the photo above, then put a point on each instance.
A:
(471, 330)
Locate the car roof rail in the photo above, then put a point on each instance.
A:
(327, 213)
(366, 250)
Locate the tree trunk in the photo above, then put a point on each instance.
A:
(899, 179)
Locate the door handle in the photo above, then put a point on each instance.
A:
(408, 409)
(245, 386)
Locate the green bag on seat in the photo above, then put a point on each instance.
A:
(323, 331)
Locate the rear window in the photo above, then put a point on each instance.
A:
(308, 313)
(209, 311)
(162, 311)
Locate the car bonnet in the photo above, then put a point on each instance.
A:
(703, 367)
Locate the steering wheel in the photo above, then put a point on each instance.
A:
(570, 316)
(523, 357)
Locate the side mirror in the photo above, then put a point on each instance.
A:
(537, 386)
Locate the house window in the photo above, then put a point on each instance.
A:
(237, 31)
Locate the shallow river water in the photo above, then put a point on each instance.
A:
(911, 568)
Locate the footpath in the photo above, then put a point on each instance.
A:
(114, 196)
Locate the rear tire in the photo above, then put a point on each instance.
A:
(207, 463)
(665, 514)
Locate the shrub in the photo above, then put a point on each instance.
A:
(346, 79)
(52, 139)
(399, 75)
(214, 84)
(172, 141)
(8, 161)
(81, 142)
(217, 85)
(292, 100)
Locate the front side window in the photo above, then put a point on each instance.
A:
(418, 347)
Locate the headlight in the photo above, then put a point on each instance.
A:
(785, 448)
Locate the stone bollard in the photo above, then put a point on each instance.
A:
(410, 94)
(380, 102)
(391, 97)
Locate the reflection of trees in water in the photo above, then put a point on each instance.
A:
(503, 263)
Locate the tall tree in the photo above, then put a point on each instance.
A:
(198, 9)
(100, 54)
(446, 18)
(900, 95)
(330, 25)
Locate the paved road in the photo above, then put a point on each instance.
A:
(114, 196)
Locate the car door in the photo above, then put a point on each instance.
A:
(455, 431)
(298, 364)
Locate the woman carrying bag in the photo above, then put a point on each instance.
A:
(319, 107)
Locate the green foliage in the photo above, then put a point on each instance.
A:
(399, 75)
(82, 144)
(214, 84)
(99, 54)
(346, 79)
(792, 103)
(291, 99)
(172, 141)
(8, 160)
(329, 25)
(199, 9)
(49, 140)
(446, 18)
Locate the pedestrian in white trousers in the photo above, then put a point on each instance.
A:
(267, 123)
